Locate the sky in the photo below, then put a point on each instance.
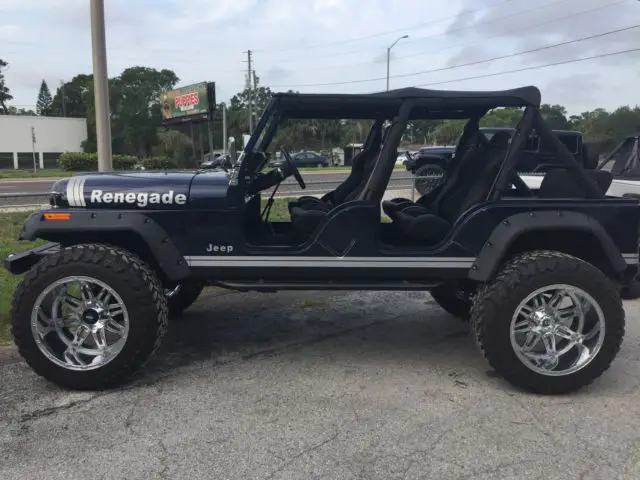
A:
(339, 45)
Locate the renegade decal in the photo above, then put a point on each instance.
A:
(140, 199)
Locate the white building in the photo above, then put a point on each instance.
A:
(53, 135)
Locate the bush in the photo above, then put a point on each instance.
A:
(87, 162)
(158, 163)
(124, 162)
(78, 161)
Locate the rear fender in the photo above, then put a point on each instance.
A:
(495, 250)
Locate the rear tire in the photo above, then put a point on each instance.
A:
(499, 314)
(70, 345)
(182, 297)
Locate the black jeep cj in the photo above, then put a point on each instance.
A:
(537, 272)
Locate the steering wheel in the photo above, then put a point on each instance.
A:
(293, 168)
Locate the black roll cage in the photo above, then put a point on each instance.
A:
(401, 106)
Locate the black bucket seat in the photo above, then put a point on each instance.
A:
(355, 178)
(468, 186)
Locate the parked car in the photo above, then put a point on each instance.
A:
(219, 161)
(304, 160)
(536, 157)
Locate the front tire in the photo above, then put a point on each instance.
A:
(89, 316)
(549, 322)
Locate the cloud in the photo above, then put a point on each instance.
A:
(545, 23)
(323, 41)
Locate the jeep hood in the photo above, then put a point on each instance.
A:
(139, 190)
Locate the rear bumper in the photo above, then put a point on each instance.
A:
(19, 263)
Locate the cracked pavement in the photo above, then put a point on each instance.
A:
(363, 385)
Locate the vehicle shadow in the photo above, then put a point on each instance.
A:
(225, 326)
(385, 329)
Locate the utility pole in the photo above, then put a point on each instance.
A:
(389, 56)
(224, 128)
(33, 146)
(250, 87)
(101, 86)
(210, 135)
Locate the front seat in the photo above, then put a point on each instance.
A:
(305, 220)
(352, 182)
(476, 173)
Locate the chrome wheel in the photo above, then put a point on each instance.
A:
(557, 330)
(79, 323)
(428, 177)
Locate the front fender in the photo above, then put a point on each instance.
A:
(92, 224)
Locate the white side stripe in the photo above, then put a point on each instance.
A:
(75, 192)
(330, 262)
(83, 203)
(348, 262)
(71, 193)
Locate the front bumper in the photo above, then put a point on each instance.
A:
(19, 263)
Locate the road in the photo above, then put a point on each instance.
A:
(363, 385)
(39, 188)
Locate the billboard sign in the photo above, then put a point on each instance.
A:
(188, 104)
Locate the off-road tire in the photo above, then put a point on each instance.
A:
(424, 186)
(184, 298)
(496, 302)
(128, 275)
(454, 300)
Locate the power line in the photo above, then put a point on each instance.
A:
(468, 64)
(524, 69)
(444, 34)
(572, 16)
(388, 32)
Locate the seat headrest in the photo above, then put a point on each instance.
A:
(500, 139)
(561, 183)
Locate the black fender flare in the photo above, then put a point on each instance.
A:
(511, 228)
(164, 251)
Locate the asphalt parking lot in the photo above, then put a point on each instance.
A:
(364, 385)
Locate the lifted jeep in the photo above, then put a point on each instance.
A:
(537, 272)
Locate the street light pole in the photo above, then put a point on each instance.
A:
(101, 86)
(389, 56)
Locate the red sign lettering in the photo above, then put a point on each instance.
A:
(187, 100)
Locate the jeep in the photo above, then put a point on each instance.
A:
(537, 272)
(536, 157)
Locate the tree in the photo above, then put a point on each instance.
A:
(502, 117)
(138, 110)
(134, 101)
(5, 94)
(448, 132)
(71, 93)
(173, 144)
(260, 98)
(45, 101)
(555, 116)
(20, 111)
